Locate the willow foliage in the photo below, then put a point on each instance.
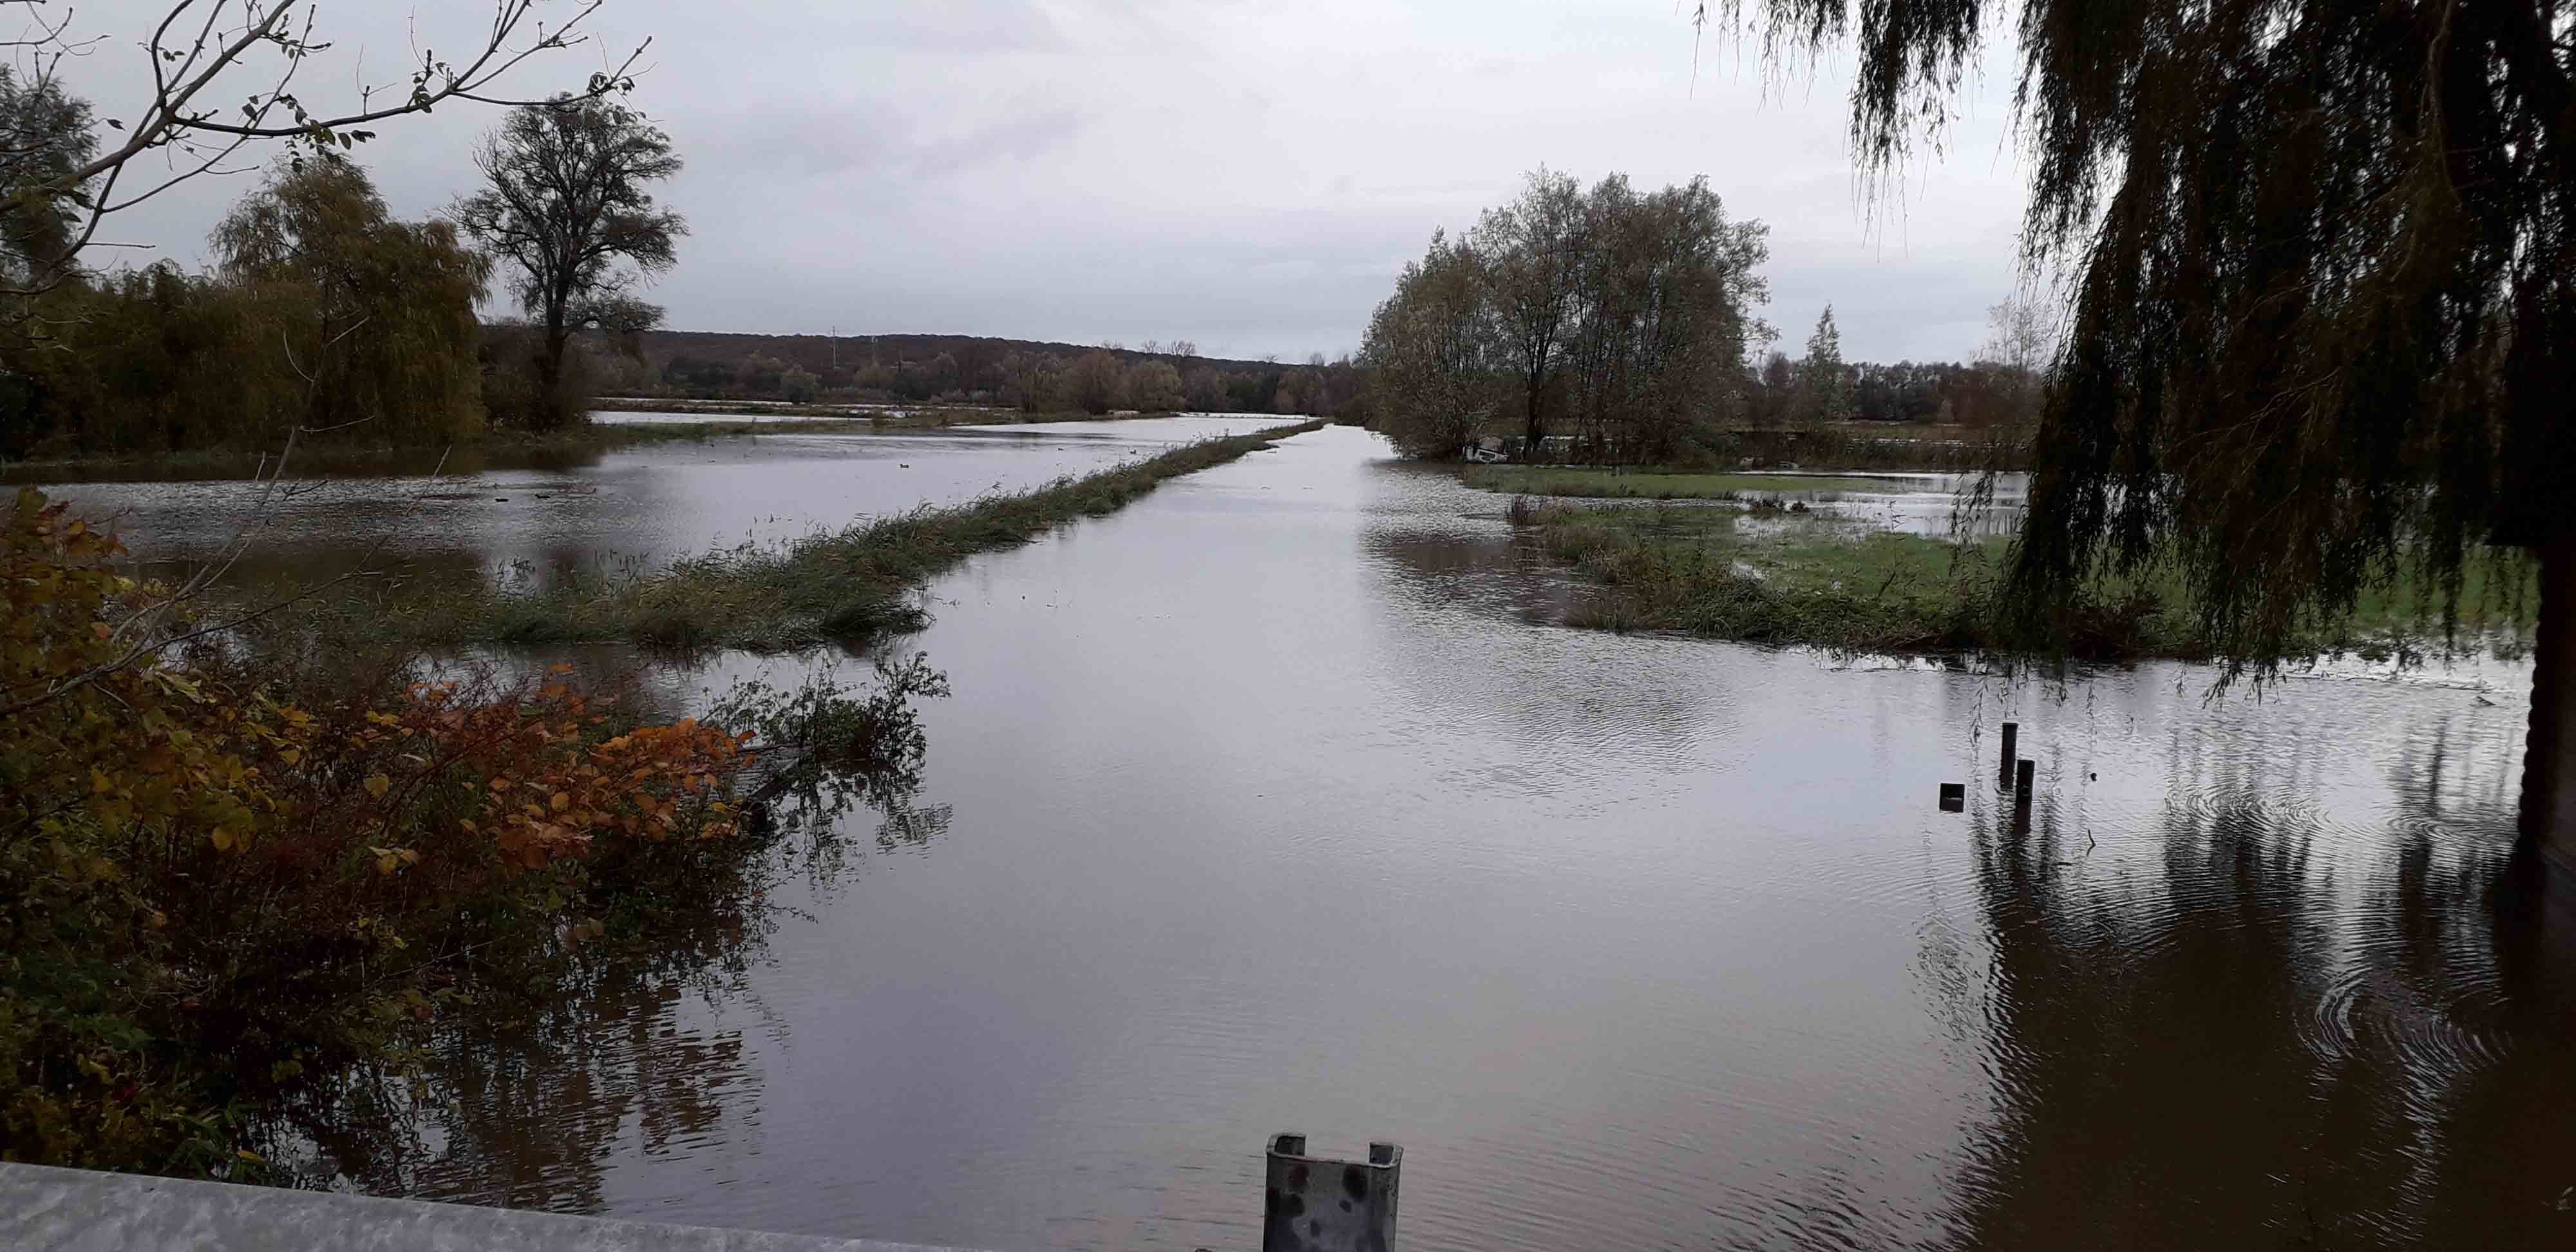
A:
(377, 314)
(2326, 304)
(327, 315)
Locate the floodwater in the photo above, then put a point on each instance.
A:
(1277, 801)
(645, 505)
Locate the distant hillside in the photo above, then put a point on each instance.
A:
(971, 369)
(824, 355)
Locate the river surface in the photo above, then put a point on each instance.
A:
(1277, 801)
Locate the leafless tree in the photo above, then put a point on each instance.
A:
(224, 78)
(1534, 261)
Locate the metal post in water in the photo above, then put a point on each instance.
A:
(1317, 1205)
(2021, 794)
(2012, 744)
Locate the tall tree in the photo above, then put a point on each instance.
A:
(1433, 349)
(567, 207)
(377, 315)
(45, 136)
(1533, 250)
(2326, 311)
(1824, 382)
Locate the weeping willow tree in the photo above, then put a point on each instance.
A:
(375, 316)
(2324, 328)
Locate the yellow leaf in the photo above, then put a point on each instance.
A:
(376, 785)
(291, 755)
(223, 839)
(562, 801)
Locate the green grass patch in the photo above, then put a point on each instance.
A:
(1805, 579)
(1628, 484)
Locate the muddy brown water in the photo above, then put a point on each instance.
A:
(1277, 802)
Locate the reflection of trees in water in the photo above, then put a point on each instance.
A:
(2291, 1035)
(1532, 696)
(528, 1104)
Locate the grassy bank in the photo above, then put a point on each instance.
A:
(1806, 579)
(838, 586)
(1619, 483)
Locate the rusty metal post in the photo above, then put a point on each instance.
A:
(1318, 1205)
(2012, 744)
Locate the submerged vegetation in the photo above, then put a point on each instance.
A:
(834, 587)
(1808, 579)
(242, 860)
(223, 874)
(1601, 483)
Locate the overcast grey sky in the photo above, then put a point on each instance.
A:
(1248, 174)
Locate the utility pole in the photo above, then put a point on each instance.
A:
(836, 349)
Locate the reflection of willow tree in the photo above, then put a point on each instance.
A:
(527, 1102)
(2272, 1043)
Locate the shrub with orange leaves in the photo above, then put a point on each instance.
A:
(215, 877)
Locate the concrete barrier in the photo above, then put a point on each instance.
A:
(43, 1209)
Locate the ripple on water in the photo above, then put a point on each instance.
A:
(1266, 818)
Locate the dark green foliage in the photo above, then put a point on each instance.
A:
(328, 315)
(2326, 313)
(45, 138)
(377, 315)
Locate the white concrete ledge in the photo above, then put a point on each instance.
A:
(43, 1209)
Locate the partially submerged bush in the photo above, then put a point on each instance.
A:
(216, 879)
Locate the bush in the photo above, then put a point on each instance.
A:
(219, 876)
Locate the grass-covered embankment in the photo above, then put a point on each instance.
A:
(1619, 483)
(837, 586)
(1804, 579)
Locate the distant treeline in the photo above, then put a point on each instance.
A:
(966, 369)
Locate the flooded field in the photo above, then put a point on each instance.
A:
(1278, 801)
(648, 504)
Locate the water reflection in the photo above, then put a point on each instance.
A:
(1279, 800)
(2284, 1031)
(532, 1098)
(430, 511)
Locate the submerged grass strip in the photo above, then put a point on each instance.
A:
(1809, 580)
(841, 586)
(1626, 484)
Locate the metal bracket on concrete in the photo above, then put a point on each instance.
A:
(1313, 1204)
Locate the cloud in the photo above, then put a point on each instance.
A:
(1246, 173)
